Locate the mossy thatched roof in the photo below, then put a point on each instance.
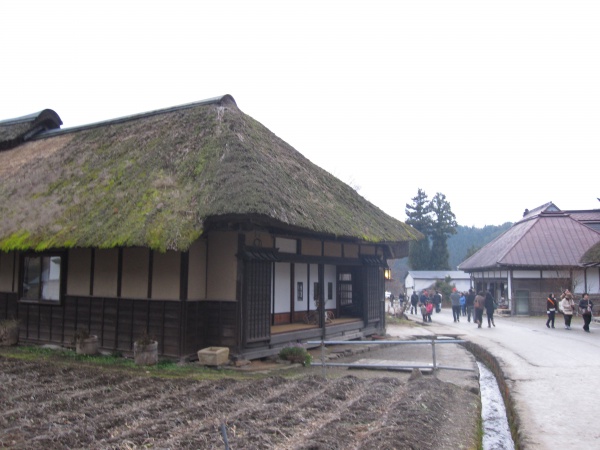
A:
(592, 256)
(15, 131)
(154, 180)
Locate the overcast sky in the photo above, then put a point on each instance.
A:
(494, 104)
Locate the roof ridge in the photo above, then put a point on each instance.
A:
(136, 116)
(21, 119)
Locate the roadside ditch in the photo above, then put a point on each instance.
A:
(493, 365)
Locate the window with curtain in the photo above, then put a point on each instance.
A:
(42, 277)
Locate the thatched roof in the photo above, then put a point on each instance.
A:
(592, 256)
(157, 179)
(550, 238)
(15, 131)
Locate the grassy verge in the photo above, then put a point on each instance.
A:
(393, 320)
(479, 427)
(165, 368)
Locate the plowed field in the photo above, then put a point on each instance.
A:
(46, 405)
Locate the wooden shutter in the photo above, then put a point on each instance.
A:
(374, 293)
(257, 301)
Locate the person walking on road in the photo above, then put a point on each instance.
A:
(455, 299)
(424, 297)
(463, 301)
(437, 301)
(429, 308)
(551, 305)
(567, 307)
(478, 305)
(585, 307)
(469, 301)
(426, 310)
(490, 305)
(414, 301)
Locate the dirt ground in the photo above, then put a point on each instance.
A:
(59, 405)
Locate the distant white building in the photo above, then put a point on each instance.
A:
(417, 280)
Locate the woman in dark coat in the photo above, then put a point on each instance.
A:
(551, 306)
(586, 306)
(489, 308)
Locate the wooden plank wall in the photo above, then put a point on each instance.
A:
(118, 322)
(8, 306)
(220, 323)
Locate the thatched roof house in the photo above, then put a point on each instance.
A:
(592, 256)
(157, 180)
(113, 197)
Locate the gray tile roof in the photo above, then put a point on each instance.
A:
(546, 240)
(590, 217)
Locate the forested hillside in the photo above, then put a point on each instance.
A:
(466, 239)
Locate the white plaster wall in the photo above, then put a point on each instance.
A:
(555, 274)
(286, 245)
(300, 276)
(222, 266)
(462, 285)
(330, 277)
(78, 276)
(134, 282)
(197, 271)
(592, 278)
(282, 287)
(165, 275)
(409, 285)
(314, 278)
(105, 272)
(533, 274)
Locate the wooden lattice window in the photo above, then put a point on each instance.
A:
(257, 301)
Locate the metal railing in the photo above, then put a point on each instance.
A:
(433, 342)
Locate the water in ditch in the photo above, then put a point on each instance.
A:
(496, 432)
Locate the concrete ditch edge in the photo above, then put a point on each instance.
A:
(492, 363)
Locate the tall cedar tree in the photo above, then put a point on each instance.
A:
(443, 226)
(419, 217)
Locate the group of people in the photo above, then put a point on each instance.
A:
(464, 304)
(567, 307)
(425, 303)
(469, 303)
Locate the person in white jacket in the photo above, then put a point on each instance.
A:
(567, 307)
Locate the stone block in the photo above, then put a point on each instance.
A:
(213, 356)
